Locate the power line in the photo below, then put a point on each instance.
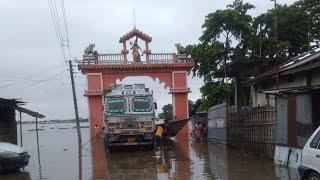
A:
(50, 78)
(66, 27)
(60, 26)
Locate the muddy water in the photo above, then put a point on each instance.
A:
(58, 159)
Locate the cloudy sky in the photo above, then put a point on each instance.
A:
(32, 66)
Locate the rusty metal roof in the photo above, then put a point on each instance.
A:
(14, 103)
(303, 62)
(293, 90)
(246, 67)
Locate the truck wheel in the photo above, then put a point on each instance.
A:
(313, 176)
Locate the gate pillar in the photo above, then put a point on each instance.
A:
(95, 103)
(179, 93)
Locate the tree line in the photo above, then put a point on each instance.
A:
(232, 34)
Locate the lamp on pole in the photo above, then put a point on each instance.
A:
(276, 39)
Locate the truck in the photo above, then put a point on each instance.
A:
(129, 116)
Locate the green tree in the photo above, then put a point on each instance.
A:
(232, 34)
(214, 93)
(167, 111)
(224, 40)
(226, 27)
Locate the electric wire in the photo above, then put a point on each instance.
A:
(56, 27)
(60, 26)
(66, 27)
(50, 78)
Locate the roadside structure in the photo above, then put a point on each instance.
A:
(103, 70)
(277, 121)
(237, 124)
(297, 102)
(240, 70)
(8, 125)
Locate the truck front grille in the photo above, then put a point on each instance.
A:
(130, 125)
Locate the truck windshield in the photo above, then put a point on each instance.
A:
(141, 105)
(115, 105)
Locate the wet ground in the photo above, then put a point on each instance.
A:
(58, 158)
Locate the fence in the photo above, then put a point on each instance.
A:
(253, 131)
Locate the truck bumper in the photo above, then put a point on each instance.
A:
(131, 144)
(124, 140)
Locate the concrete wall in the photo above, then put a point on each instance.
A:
(217, 123)
(315, 78)
(258, 97)
(297, 80)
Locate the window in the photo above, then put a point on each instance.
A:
(315, 141)
(115, 105)
(141, 105)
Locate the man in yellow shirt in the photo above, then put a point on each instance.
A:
(158, 135)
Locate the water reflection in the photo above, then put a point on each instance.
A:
(201, 161)
(172, 162)
(61, 159)
(99, 162)
(231, 164)
(19, 175)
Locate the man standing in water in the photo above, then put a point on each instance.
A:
(158, 136)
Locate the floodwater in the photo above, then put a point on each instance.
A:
(58, 158)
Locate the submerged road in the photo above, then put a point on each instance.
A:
(58, 159)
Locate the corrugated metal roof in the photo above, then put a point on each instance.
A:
(292, 90)
(14, 103)
(296, 62)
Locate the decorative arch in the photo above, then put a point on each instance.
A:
(110, 78)
(102, 70)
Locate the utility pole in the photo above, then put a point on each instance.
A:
(75, 102)
(20, 130)
(277, 39)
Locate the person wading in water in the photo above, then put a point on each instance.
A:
(158, 136)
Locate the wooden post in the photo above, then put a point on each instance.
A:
(38, 148)
(37, 140)
(277, 39)
(20, 130)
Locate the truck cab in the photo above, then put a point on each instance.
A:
(129, 115)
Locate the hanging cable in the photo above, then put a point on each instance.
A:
(66, 28)
(63, 38)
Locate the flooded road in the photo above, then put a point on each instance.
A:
(58, 159)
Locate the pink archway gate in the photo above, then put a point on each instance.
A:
(102, 70)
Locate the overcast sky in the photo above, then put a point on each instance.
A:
(32, 67)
